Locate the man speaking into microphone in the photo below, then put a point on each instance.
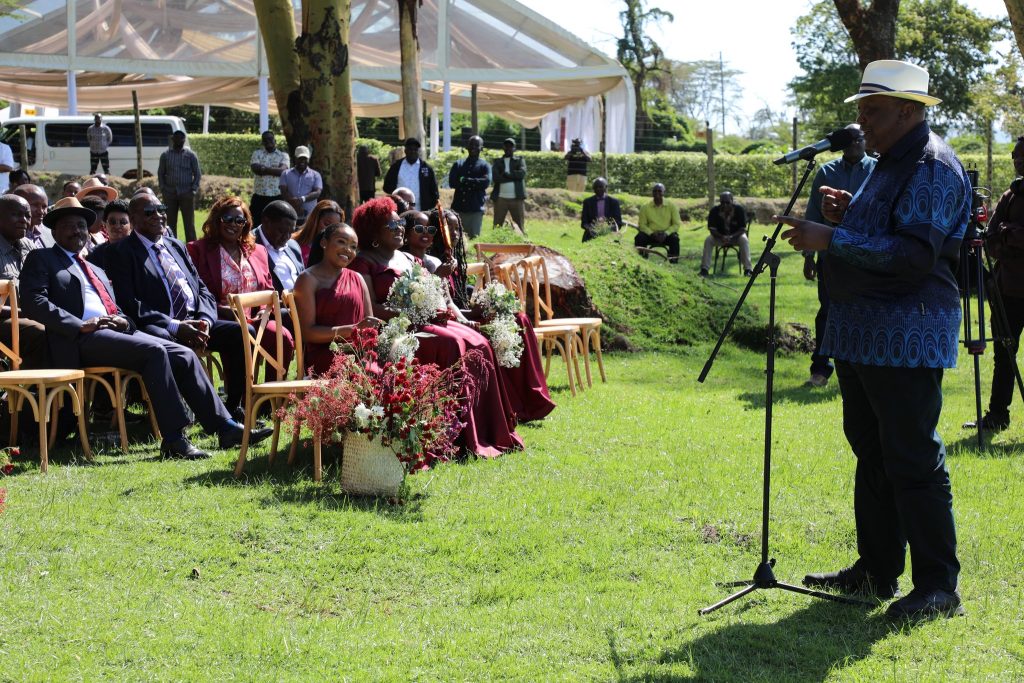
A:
(893, 326)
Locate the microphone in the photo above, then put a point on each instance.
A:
(833, 142)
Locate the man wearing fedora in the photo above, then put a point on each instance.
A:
(85, 327)
(415, 174)
(893, 326)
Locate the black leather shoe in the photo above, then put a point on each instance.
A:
(926, 604)
(233, 436)
(853, 579)
(181, 449)
(990, 423)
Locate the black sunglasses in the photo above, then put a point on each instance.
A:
(237, 220)
(395, 226)
(150, 210)
(429, 229)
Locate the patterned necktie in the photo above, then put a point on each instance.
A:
(94, 280)
(176, 282)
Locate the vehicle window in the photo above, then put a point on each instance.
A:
(66, 134)
(153, 134)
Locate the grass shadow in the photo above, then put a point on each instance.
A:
(800, 395)
(967, 444)
(811, 644)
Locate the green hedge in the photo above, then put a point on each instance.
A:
(684, 174)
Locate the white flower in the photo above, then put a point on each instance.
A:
(362, 416)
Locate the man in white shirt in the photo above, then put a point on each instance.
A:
(6, 166)
(284, 254)
(415, 174)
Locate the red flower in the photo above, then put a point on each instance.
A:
(15, 452)
(8, 468)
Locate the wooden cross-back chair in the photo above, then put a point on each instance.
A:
(50, 386)
(544, 314)
(565, 338)
(481, 271)
(288, 299)
(486, 250)
(115, 381)
(267, 307)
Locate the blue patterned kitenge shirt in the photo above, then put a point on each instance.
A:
(892, 284)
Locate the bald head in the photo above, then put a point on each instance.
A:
(15, 214)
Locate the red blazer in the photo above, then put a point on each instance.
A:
(206, 256)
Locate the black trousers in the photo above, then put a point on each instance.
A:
(642, 239)
(226, 341)
(821, 365)
(902, 492)
(1003, 381)
(170, 371)
(103, 158)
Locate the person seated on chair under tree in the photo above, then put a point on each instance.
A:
(599, 210)
(727, 223)
(658, 225)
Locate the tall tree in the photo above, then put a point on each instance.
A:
(409, 45)
(945, 36)
(640, 55)
(1015, 9)
(872, 27)
(314, 92)
(705, 90)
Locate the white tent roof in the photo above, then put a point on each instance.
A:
(210, 52)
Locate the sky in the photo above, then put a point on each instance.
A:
(752, 36)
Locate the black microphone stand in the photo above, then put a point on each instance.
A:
(764, 576)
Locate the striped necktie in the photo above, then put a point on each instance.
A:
(176, 282)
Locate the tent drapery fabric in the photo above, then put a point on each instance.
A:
(210, 52)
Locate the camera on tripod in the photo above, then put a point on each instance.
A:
(976, 225)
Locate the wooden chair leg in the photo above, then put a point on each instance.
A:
(53, 413)
(275, 404)
(293, 449)
(79, 407)
(317, 464)
(14, 406)
(577, 349)
(43, 417)
(585, 344)
(597, 350)
(153, 426)
(565, 350)
(119, 408)
(240, 465)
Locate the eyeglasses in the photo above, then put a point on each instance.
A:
(429, 229)
(395, 226)
(237, 220)
(150, 210)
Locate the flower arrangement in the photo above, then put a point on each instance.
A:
(498, 307)
(395, 341)
(419, 295)
(6, 457)
(412, 408)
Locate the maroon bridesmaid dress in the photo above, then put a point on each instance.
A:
(490, 420)
(342, 305)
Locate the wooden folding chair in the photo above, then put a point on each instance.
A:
(543, 314)
(50, 386)
(565, 338)
(495, 248)
(116, 381)
(266, 307)
(480, 271)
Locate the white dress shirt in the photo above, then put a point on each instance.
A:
(92, 303)
(283, 267)
(409, 176)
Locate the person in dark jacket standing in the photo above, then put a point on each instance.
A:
(470, 177)
(367, 172)
(509, 195)
(415, 174)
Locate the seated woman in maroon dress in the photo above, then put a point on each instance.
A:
(230, 262)
(490, 421)
(326, 212)
(332, 300)
(526, 385)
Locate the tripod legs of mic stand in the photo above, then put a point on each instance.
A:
(764, 576)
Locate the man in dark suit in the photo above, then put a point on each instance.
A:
(284, 256)
(599, 209)
(85, 327)
(158, 287)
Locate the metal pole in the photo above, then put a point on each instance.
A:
(72, 11)
(138, 139)
(447, 116)
(711, 163)
(206, 120)
(474, 111)
(264, 104)
(796, 145)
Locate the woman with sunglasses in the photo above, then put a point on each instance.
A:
(326, 212)
(419, 238)
(229, 261)
(490, 422)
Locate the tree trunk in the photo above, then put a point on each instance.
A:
(872, 29)
(409, 44)
(276, 20)
(325, 95)
(1015, 8)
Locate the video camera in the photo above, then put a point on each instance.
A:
(976, 224)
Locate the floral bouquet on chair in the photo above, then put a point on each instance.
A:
(419, 295)
(412, 409)
(498, 307)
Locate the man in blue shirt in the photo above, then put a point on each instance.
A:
(848, 172)
(470, 178)
(893, 326)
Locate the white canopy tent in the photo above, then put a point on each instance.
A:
(89, 55)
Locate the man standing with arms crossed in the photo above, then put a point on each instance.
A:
(179, 174)
(100, 136)
(893, 326)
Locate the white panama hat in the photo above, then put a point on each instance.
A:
(895, 79)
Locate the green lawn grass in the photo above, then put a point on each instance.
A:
(585, 557)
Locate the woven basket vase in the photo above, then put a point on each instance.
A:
(368, 468)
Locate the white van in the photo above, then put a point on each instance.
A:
(59, 143)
